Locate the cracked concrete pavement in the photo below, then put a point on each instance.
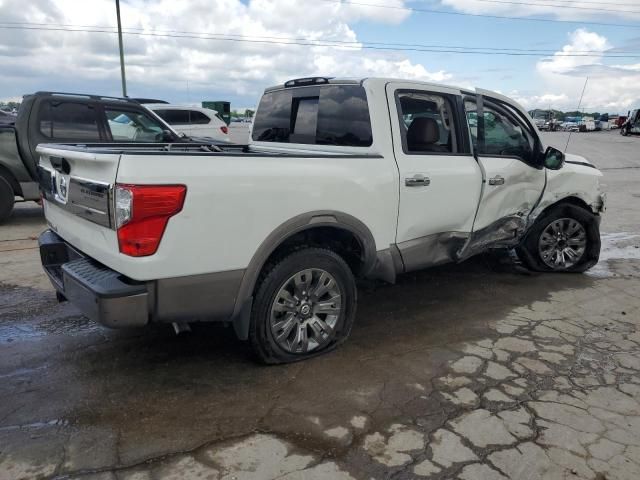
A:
(475, 371)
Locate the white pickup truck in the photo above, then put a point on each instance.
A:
(341, 179)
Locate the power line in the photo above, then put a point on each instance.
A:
(559, 6)
(315, 43)
(355, 44)
(601, 3)
(480, 15)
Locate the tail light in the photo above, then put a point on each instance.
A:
(225, 130)
(142, 213)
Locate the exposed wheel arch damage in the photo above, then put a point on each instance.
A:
(339, 231)
(574, 184)
(570, 207)
(570, 200)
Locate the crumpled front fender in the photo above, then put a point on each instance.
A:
(577, 179)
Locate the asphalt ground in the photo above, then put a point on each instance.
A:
(472, 371)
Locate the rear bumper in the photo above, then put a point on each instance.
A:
(100, 293)
(117, 301)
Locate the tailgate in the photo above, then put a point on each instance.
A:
(77, 186)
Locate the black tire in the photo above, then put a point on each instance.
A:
(275, 277)
(529, 251)
(7, 199)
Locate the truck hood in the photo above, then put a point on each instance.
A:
(578, 160)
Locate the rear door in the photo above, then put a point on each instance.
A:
(440, 180)
(506, 145)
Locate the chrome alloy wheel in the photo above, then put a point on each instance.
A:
(305, 311)
(562, 243)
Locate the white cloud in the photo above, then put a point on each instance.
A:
(89, 62)
(581, 40)
(540, 101)
(565, 10)
(611, 87)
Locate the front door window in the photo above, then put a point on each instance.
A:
(503, 135)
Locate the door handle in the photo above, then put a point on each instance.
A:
(497, 180)
(417, 181)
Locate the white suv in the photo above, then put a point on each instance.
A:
(193, 121)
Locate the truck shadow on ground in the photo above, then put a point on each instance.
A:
(25, 215)
(445, 304)
(156, 392)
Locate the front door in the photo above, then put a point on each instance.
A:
(440, 180)
(505, 144)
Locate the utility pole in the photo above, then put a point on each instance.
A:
(124, 79)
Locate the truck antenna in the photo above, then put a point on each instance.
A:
(579, 103)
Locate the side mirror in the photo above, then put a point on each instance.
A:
(167, 136)
(553, 159)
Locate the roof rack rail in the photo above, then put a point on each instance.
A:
(87, 95)
(298, 82)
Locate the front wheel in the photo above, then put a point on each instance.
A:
(567, 239)
(304, 306)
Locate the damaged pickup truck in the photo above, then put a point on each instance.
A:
(342, 179)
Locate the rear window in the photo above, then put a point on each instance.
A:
(68, 121)
(328, 115)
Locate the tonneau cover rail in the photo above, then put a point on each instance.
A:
(205, 149)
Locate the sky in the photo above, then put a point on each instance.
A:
(188, 51)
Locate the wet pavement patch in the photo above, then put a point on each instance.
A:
(469, 371)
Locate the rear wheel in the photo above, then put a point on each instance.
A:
(7, 199)
(304, 306)
(567, 239)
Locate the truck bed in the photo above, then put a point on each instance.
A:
(197, 149)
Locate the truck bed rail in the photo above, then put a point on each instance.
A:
(208, 149)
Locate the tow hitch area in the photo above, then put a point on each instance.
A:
(102, 294)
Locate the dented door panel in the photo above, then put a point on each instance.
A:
(505, 146)
(515, 197)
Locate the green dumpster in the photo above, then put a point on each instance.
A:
(223, 108)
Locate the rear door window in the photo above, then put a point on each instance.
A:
(183, 117)
(328, 115)
(427, 122)
(198, 118)
(69, 121)
(174, 117)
